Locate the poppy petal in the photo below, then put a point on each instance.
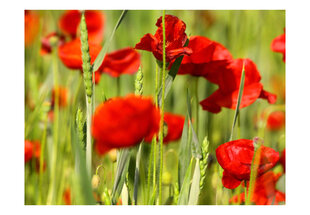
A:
(271, 98)
(148, 42)
(229, 181)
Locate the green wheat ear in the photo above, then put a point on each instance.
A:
(87, 67)
(139, 82)
(203, 163)
(81, 128)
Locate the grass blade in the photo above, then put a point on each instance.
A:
(81, 172)
(184, 153)
(104, 50)
(137, 175)
(195, 187)
(238, 102)
(184, 193)
(122, 169)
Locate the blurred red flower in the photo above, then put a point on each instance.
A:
(32, 24)
(71, 55)
(207, 54)
(124, 122)
(123, 61)
(62, 94)
(276, 120)
(67, 196)
(46, 46)
(174, 123)
(282, 159)
(265, 192)
(175, 39)
(69, 24)
(278, 44)
(228, 77)
(235, 157)
(33, 151)
(28, 150)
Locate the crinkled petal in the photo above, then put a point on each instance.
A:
(271, 98)
(148, 43)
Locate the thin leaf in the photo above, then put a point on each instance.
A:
(238, 102)
(195, 188)
(122, 169)
(184, 193)
(137, 175)
(184, 154)
(125, 195)
(171, 76)
(104, 50)
(82, 178)
(195, 143)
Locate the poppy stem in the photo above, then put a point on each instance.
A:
(197, 105)
(52, 187)
(118, 86)
(88, 137)
(154, 142)
(162, 110)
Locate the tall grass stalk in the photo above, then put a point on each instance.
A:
(154, 141)
(162, 110)
(53, 179)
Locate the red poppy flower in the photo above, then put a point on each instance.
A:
(228, 77)
(31, 27)
(67, 196)
(124, 122)
(70, 21)
(276, 120)
(278, 44)
(71, 55)
(265, 192)
(206, 55)
(175, 125)
(235, 157)
(62, 94)
(175, 39)
(46, 46)
(28, 150)
(123, 61)
(282, 159)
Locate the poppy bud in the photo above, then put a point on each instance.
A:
(112, 155)
(95, 181)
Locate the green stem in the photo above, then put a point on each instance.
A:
(88, 137)
(154, 142)
(162, 110)
(149, 172)
(197, 105)
(42, 159)
(53, 179)
(118, 86)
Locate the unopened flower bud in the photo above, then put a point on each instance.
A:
(95, 181)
